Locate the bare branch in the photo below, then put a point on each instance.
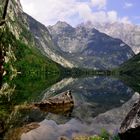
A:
(5, 9)
(2, 22)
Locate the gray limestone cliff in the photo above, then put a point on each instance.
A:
(89, 48)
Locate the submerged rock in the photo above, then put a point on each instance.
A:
(61, 103)
(130, 127)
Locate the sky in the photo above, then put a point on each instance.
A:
(75, 12)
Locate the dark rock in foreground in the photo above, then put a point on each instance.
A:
(130, 128)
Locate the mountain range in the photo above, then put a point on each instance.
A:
(127, 32)
(17, 45)
(89, 48)
(83, 46)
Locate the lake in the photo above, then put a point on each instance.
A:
(99, 103)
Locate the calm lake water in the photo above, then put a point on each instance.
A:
(99, 103)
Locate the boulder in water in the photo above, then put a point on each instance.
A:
(60, 103)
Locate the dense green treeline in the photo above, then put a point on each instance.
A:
(83, 72)
(131, 67)
(26, 73)
(27, 58)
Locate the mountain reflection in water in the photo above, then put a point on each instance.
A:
(99, 102)
(109, 120)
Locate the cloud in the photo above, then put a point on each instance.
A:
(102, 17)
(128, 5)
(100, 4)
(74, 12)
(50, 11)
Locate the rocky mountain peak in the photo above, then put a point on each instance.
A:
(31, 32)
(61, 25)
(127, 32)
(88, 47)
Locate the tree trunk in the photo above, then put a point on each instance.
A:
(5, 9)
(2, 21)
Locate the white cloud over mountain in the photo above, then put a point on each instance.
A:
(71, 11)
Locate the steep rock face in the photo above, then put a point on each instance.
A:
(65, 37)
(17, 22)
(88, 47)
(130, 128)
(128, 33)
(31, 32)
(44, 42)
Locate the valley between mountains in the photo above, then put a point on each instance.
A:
(97, 66)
